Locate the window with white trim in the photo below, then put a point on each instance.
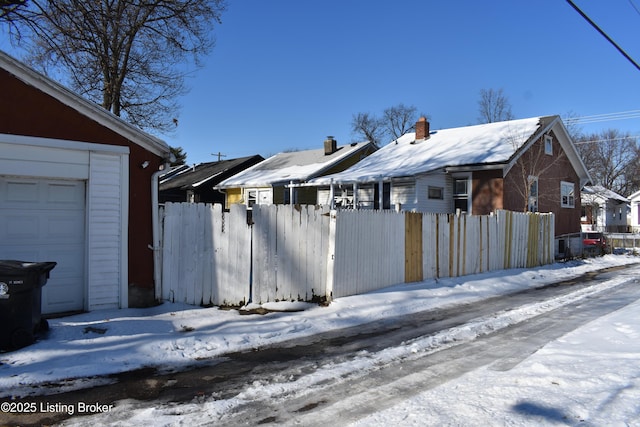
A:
(567, 194)
(461, 194)
(548, 145)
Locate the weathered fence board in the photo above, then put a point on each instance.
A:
(204, 262)
(303, 252)
(369, 251)
(289, 252)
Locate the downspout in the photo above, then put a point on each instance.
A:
(355, 195)
(332, 203)
(156, 246)
(291, 193)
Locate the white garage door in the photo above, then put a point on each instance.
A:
(44, 220)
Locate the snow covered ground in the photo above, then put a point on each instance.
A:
(588, 377)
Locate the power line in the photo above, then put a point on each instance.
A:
(621, 139)
(594, 25)
(623, 115)
(634, 6)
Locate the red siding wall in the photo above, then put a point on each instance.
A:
(25, 110)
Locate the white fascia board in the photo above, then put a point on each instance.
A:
(62, 143)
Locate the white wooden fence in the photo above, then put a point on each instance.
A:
(307, 253)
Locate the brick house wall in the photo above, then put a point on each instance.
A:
(550, 170)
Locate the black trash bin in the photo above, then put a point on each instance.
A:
(20, 301)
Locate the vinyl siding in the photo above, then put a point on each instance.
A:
(107, 235)
(423, 203)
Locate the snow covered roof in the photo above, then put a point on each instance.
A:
(492, 143)
(603, 193)
(296, 166)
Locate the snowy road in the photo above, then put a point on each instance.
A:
(354, 395)
(349, 374)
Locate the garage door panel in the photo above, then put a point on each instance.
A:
(24, 227)
(63, 195)
(20, 227)
(63, 228)
(21, 254)
(19, 193)
(69, 264)
(59, 297)
(44, 220)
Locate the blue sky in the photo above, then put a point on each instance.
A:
(286, 73)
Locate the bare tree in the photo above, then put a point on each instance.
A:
(8, 7)
(612, 159)
(531, 169)
(395, 122)
(131, 57)
(369, 127)
(399, 120)
(494, 106)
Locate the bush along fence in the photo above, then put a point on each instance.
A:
(308, 253)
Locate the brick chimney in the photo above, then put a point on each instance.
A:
(330, 146)
(422, 129)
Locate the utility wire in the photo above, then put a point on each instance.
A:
(620, 139)
(634, 6)
(632, 114)
(594, 25)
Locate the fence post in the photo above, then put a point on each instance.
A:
(331, 249)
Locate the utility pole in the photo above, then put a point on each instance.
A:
(219, 154)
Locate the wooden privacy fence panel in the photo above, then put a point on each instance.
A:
(205, 254)
(303, 253)
(289, 252)
(376, 249)
(469, 244)
(369, 251)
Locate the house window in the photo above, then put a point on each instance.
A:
(257, 197)
(567, 194)
(251, 198)
(461, 194)
(532, 205)
(386, 196)
(548, 145)
(436, 193)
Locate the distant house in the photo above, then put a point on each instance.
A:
(604, 210)
(196, 183)
(520, 165)
(634, 199)
(78, 186)
(281, 179)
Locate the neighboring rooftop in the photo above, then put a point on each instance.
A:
(185, 177)
(296, 166)
(492, 143)
(604, 193)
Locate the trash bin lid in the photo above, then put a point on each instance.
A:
(16, 267)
